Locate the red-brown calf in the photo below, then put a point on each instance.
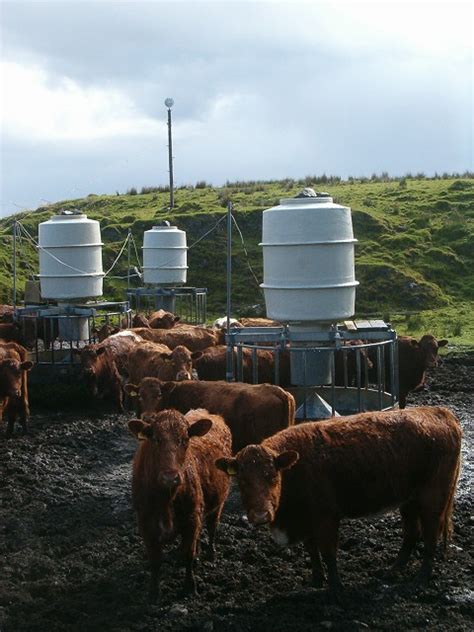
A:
(162, 320)
(190, 336)
(252, 411)
(150, 359)
(14, 384)
(105, 365)
(305, 479)
(176, 486)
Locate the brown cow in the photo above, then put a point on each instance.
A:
(252, 411)
(6, 313)
(14, 365)
(162, 320)
(345, 364)
(11, 332)
(103, 332)
(212, 365)
(150, 359)
(190, 336)
(259, 322)
(305, 479)
(176, 486)
(105, 365)
(414, 357)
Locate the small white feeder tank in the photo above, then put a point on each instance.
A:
(164, 256)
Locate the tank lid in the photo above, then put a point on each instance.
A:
(70, 211)
(165, 227)
(309, 192)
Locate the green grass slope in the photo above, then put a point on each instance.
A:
(415, 248)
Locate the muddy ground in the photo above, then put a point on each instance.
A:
(71, 557)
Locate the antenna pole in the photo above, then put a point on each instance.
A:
(170, 159)
(14, 263)
(129, 256)
(230, 350)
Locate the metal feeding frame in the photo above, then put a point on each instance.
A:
(374, 390)
(190, 303)
(55, 331)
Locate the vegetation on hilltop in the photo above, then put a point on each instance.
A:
(415, 250)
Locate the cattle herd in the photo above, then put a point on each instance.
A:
(195, 431)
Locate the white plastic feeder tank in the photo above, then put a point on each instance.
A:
(309, 275)
(165, 256)
(70, 257)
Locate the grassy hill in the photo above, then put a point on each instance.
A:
(414, 259)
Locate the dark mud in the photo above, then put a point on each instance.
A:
(71, 557)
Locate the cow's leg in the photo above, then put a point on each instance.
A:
(402, 400)
(430, 516)
(411, 534)
(190, 540)
(11, 418)
(327, 536)
(23, 415)
(212, 521)
(317, 573)
(155, 557)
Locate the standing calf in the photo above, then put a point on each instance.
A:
(14, 365)
(176, 485)
(305, 479)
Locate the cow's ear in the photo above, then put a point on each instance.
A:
(140, 429)
(131, 389)
(196, 355)
(200, 427)
(229, 466)
(26, 366)
(165, 356)
(177, 319)
(100, 351)
(285, 460)
(442, 343)
(167, 388)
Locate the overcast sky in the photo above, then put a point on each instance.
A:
(262, 90)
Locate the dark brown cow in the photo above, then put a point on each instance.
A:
(176, 486)
(414, 358)
(103, 332)
(162, 320)
(105, 365)
(150, 359)
(14, 365)
(212, 365)
(345, 362)
(190, 336)
(11, 332)
(6, 313)
(252, 411)
(305, 479)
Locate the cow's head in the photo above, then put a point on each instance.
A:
(11, 377)
(104, 332)
(182, 361)
(167, 434)
(429, 348)
(91, 364)
(163, 320)
(148, 394)
(139, 320)
(259, 472)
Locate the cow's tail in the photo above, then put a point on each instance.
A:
(447, 522)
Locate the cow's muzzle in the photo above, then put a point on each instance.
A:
(170, 479)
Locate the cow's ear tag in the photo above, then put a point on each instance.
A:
(141, 436)
(231, 470)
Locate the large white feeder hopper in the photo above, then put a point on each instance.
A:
(164, 256)
(70, 257)
(308, 261)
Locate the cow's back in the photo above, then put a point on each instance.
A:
(252, 411)
(369, 462)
